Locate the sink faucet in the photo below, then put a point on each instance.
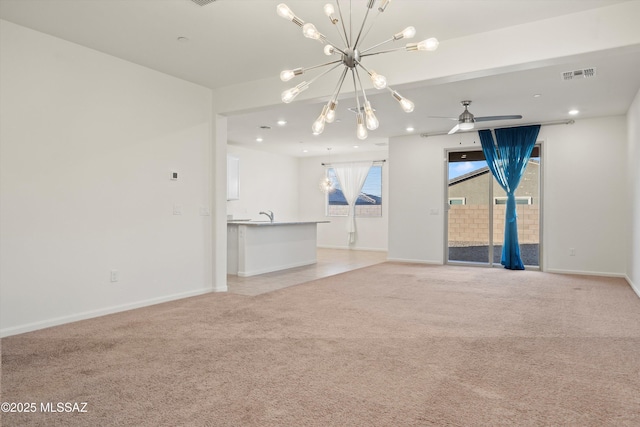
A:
(269, 214)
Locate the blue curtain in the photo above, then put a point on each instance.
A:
(507, 159)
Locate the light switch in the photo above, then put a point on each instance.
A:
(177, 209)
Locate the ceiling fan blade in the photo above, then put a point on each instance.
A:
(454, 129)
(492, 118)
(441, 117)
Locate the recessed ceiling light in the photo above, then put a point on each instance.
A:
(410, 129)
(258, 139)
(305, 151)
(356, 146)
(182, 39)
(537, 95)
(282, 122)
(574, 112)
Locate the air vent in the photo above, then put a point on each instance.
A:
(203, 2)
(576, 74)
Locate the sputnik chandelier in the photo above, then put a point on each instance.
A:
(351, 57)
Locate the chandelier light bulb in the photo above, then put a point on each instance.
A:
(379, 82)
(383, 5)
(310, 31)
(290, 94)
(370, 118)
(331, 112)
(287, 75)
(329, 50)
(429, 44)
(407, 33)
(407, 105)
(284, 11)
(361, 130)
(329, 10)
(318, 126)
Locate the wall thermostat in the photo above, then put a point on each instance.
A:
(174, 176)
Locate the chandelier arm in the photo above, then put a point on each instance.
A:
(364, 95)
(355, 89)
(344, 29)
(384, 51)
(362, 52)
(321, 65)
(323, 73)
(342, 39)
(336, 92)
(366, 33)
(365, 69)
(334, 46)
(364, 21)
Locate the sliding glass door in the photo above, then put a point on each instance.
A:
(476, 210)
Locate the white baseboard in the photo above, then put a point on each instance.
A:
(275, 268)
(415, 261)
(635, 288)
(584, 273)
(351, 248)
(15, 330)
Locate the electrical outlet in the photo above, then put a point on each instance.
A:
(177, 209)
(115, 275)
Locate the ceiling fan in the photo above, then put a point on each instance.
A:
(466, 120)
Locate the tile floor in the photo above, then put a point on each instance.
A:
(330, 262)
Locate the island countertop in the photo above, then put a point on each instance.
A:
(263, 223)
(257, 247)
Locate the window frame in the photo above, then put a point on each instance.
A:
(357, 214)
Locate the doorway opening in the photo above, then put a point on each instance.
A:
(476, 210)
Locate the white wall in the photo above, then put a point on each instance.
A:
(372, 233)
(88, 142)
(267, 182)
(633, 160)
(585, 196)
(584, 183)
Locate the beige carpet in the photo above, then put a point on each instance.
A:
(387, 345)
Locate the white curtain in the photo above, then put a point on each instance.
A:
(351, 177)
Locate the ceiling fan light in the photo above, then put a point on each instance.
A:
(466, 126)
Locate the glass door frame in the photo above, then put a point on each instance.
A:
(490, 263)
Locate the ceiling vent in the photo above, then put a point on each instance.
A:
(203, 2)
(576, 74)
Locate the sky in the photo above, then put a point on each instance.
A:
(460, 168)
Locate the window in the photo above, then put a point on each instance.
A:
(519, 200)
(457, 200)
(368, 205)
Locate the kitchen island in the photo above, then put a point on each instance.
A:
(258, 247)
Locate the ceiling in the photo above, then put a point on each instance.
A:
(236, 41)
